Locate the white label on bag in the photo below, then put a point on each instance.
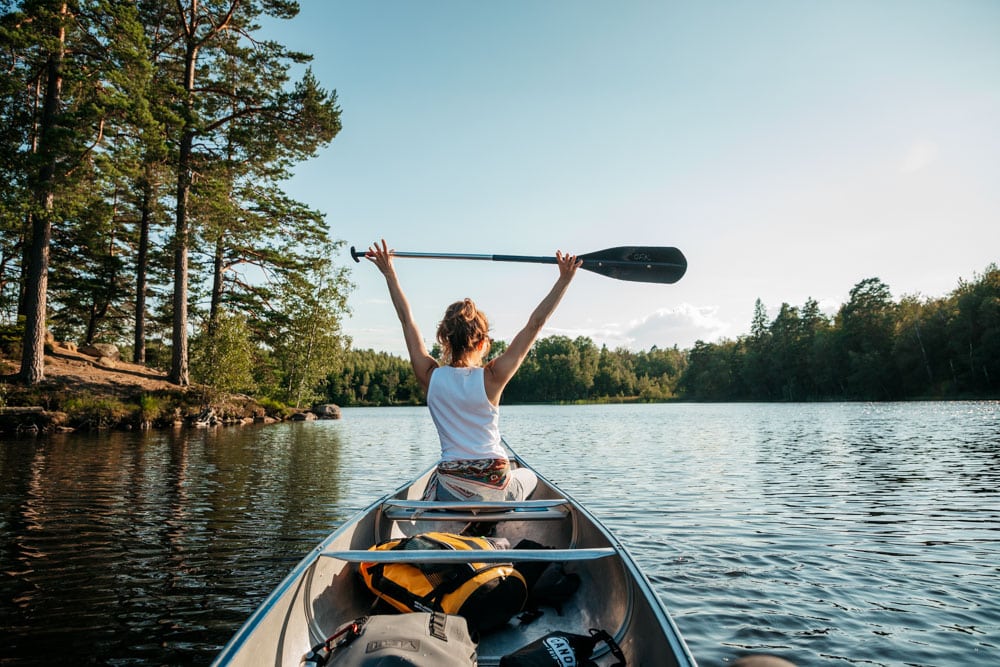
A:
(561, 651)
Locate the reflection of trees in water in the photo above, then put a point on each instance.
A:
(273, 482)
(146, 539)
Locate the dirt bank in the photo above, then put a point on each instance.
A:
(86, 392)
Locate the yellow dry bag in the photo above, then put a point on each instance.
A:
(486, 594)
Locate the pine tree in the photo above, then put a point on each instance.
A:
(234, 91)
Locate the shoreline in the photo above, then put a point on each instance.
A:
(84, 393)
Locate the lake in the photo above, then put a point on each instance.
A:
(829, 534)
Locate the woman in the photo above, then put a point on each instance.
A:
(464, 395)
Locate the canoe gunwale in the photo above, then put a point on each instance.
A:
(472, 556)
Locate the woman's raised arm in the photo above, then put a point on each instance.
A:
(502, 369)
(423, 363)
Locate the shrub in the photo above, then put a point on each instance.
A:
(225, 359)
(275, 408)
(94, 412)
(151, 408)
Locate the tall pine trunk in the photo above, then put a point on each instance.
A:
(37, 276)
(215, 309)
(142, 268)
(179, 373)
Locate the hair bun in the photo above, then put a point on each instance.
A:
(463, 328)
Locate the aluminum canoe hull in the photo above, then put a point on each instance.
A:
(325, 590)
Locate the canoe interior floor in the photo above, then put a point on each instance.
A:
(600, 601)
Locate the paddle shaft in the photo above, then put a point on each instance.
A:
(642, 264)
(460, 255)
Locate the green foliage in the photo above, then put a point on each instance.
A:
(151, 409)
(11, 336)
(99, 119)
(150, 406)
(223, 356)
(304, 334)
(366, 377)
(557, 369)
(275, 408)
(94, 412)
(873, 349)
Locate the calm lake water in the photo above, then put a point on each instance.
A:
(829, 534)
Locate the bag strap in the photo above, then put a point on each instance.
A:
(436, 626)
(320, 654)
(616, 650)
(442, 585)
(443, 579)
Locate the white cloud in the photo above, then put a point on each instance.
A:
(920, 155)
(681, 326)
(666, 327)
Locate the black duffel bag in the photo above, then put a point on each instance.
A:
(563, 649)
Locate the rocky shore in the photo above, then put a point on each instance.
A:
(91, 388)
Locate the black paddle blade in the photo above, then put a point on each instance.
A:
(644, 264)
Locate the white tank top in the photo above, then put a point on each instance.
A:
(467, 423)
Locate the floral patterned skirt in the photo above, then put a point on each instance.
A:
(479, 479)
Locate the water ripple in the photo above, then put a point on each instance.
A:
(829, 534)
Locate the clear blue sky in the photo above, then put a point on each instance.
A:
(790, 149)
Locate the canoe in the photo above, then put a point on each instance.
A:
(325, 590)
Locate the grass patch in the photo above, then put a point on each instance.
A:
(151, 409)
(95, 412)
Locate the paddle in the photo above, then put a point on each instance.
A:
(644, 264)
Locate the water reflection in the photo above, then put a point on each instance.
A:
(831, 534)
(109, 539)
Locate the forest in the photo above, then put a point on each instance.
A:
(873, 348)
(145, 146)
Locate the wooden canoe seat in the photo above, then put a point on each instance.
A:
(471, 556)
(438, 510)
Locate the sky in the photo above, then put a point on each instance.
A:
(789, 149)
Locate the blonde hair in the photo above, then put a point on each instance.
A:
(462, 330)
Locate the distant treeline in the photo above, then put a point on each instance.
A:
(557, 369)
(873, 348)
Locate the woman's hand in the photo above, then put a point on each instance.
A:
(568, 264)
(381, 257)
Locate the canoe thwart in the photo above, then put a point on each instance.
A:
(498, 556)
(436, 510)
(406, 514)
(477, 506)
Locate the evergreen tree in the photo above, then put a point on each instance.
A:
(786, 361)
(867, 325)
(39, 34)
(61, 61)
(756, 370)
(232, 82)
